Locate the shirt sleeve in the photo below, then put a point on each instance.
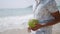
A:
(52, 7)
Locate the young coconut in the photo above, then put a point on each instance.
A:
(32, 23)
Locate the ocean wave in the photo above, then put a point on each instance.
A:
(13, 22)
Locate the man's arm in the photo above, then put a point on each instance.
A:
(56, 15)
(57, 19)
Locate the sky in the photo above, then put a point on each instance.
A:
(16, 3)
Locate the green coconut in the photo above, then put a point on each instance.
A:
(32, 23)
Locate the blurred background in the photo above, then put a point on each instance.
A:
(14, 15)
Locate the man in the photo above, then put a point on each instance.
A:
(47, 13)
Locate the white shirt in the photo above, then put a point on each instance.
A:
(43, 9)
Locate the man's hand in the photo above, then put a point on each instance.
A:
(36, 27)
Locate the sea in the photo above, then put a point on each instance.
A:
(15, 12)
(5, 12)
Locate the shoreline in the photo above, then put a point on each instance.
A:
(13, 22)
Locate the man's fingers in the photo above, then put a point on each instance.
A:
(38, 26)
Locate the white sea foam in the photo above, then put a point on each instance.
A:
(13, 22)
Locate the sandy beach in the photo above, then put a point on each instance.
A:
(18, 25)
